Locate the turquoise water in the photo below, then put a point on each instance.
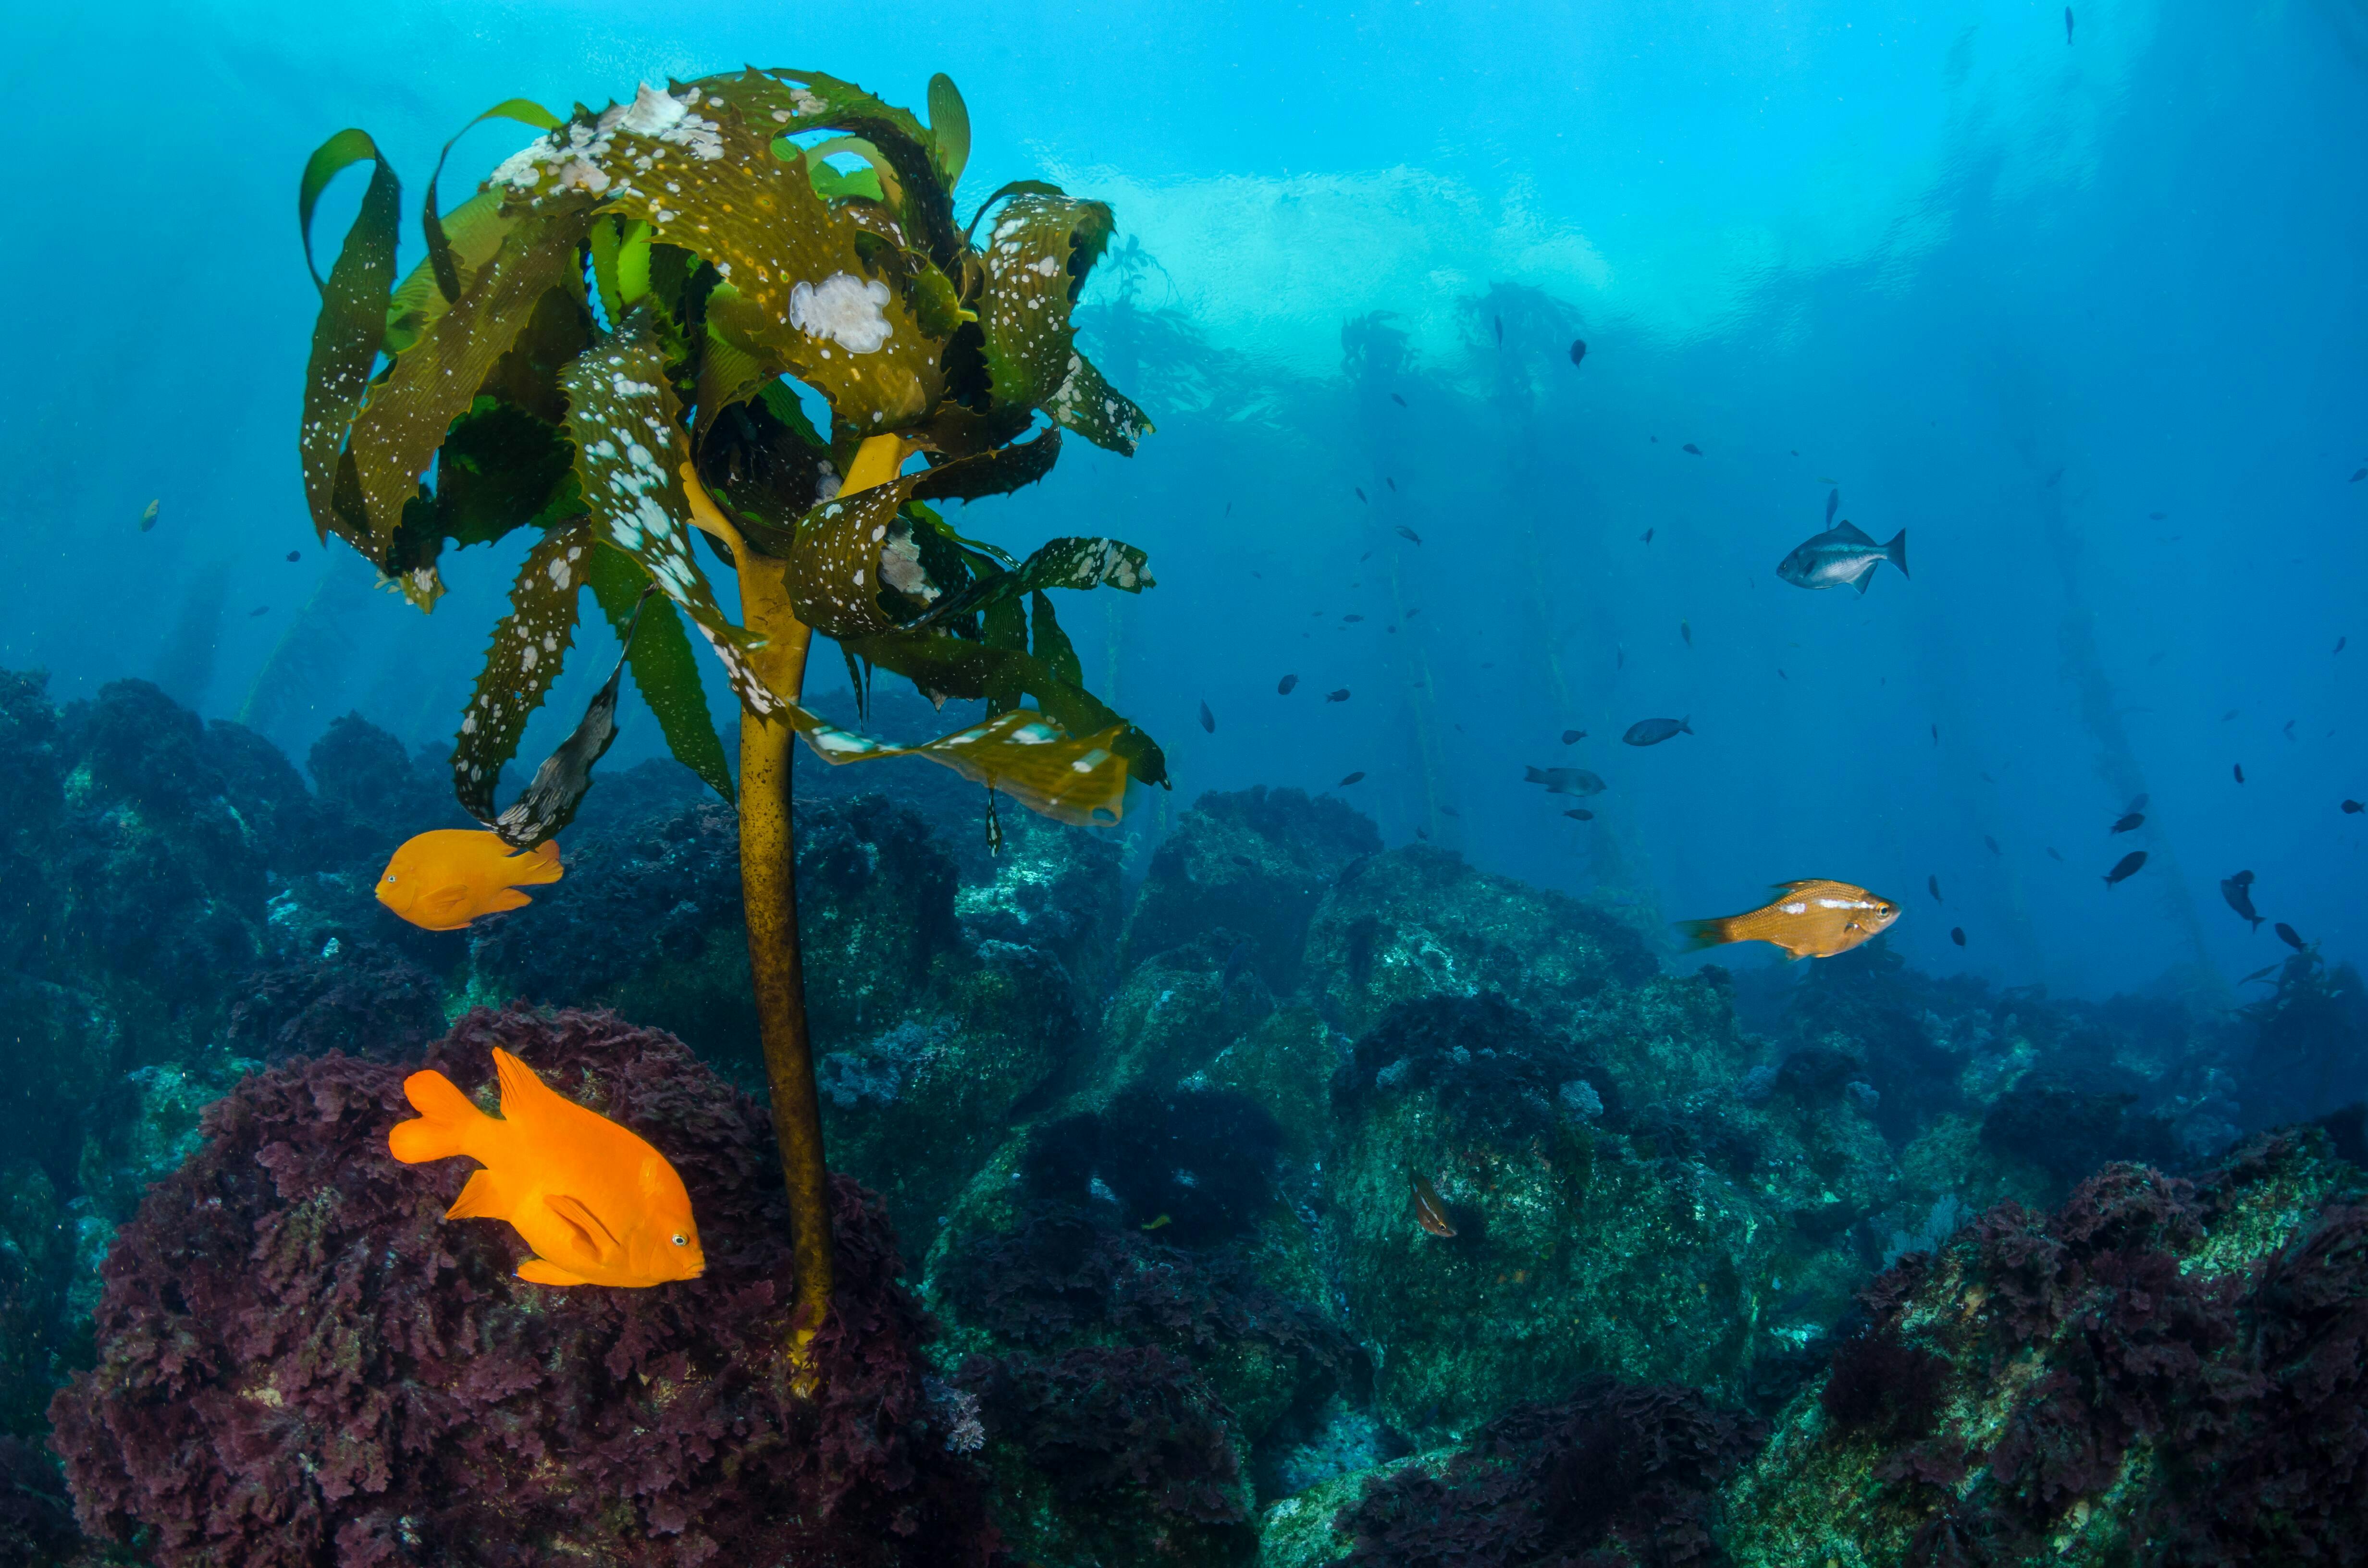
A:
(1943, 255)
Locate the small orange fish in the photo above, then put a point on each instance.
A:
(1814, 919)
(442, 879)
(1428, 1211)
(596, 1203)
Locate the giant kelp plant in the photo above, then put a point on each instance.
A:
(595, 347)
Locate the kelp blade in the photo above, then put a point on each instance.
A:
(1069, 778)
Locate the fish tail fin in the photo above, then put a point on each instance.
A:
(1686, 724)
(2259, 922)
(1712, 933)
(540, 864)
(1897, 551)
(448, 1123)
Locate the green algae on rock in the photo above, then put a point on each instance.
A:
(2159, 1371)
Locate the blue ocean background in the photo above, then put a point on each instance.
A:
(2084, 318)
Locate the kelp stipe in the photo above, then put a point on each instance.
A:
(594, 348)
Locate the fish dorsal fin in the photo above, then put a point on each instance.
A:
(597, 1240)
(1847, 529)
(1796, 887)
(523, 1094)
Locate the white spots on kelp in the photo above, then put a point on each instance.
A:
(846, 309)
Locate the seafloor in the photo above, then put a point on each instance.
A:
(1875, 1268)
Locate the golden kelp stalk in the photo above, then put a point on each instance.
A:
(595, 348)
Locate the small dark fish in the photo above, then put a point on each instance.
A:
(1936, 734)
(1284, 686)
(2230, 715)
(1340, 696)
(1579, 350)
(1423, 833)
(1208, 719)
(2338, 645)
(1351, 619)
(1833, 504)
(2288, 728)
(2239, 890)
(1841, 555)
(1501, 330)
(2289, 936)
(1620, 662)
(1579, 814)
(1235, 961)
(1993, 844)
(1412, 613)
(1690, 447)
(1406, 533)
(1565, 780)
(1648, 536)
(1655, 439)
(1428, 1211)
(2052, 854)
(1933, 882)
(2353, 808)
(2067, 26)
(2138, 804)
(2157, 516)
(1397, 399)
(1571, 736)
(1391, 482)
(1653, 731)
(2263, 972)
(1360, 495)
(295, 555)
(1449, 812)
(2126, 868)
(1985, 776)
(148, 517)
(259, 609)
(1782, 676)
(1686, 630)
(1351, 779)
(2130, 823)
(2358, 474)
(1957, 935)
(2054, 477)
(1229, 508)
(2241, 772)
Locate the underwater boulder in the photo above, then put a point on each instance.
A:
(1489, 1234)
(1256, 862)
(915, 1109)
(300, 1358)
(1056, 888)
(1112, 1458)
(2158, 1371)
(1611, 1473)
(357, 997)
(1417, 922)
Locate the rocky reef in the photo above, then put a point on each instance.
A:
(1273, 1195)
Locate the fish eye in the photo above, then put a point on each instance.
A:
(390, 876)
(680, 1240)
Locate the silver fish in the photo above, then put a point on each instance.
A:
(1841, 555)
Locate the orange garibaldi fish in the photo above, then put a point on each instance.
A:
(1811, 920)
(441, 880)
(596, 1203)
